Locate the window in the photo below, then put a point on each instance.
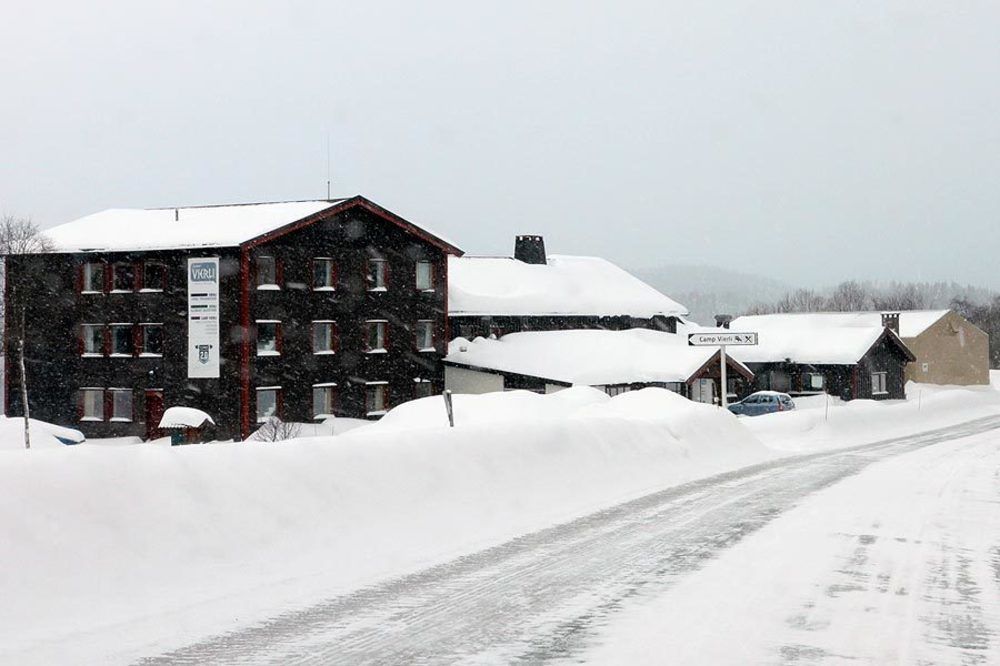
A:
(378, 274)
(93, 339)
(879, 383)
(425, 276)
(375, 335)
(92, 404)
(324, 397)
(123, 278)
(324, 337)
(324, 277)
(425, 335)
(268, 338)
(376, 398)
(93, 278)
(152, 339)
(422, 388)
(267, 402)
(267, 272)
(121, 339)
(616, 390)
(154, 277)
(121, 404)
(812, 381)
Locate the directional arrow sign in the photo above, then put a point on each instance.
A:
(716, 339)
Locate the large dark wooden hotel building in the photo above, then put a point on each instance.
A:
(296, 309)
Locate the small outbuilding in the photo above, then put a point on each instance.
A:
(187, 425)
(612, 361)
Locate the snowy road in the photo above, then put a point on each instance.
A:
(598, 588)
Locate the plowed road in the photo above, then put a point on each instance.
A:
(598, 589)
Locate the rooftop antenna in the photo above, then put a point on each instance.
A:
(327, 166)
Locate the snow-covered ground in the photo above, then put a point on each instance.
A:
(111, 553)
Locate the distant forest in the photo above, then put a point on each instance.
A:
(979, 306)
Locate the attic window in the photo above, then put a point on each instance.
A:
(378, 275)
(425, 276)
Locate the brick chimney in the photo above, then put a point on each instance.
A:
(530, 249)
(723, 320)
(891, 321)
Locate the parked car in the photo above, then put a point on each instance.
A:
(762, 402)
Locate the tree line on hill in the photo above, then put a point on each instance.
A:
(979, 306)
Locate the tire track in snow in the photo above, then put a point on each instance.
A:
(538, 597)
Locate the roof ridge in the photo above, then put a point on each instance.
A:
(248, 203)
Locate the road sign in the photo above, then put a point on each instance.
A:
(716, 339)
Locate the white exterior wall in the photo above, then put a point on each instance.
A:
(464, 380)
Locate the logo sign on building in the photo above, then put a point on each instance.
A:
(717, 339)
(203, 318)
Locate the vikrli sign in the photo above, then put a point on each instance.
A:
(203, 318)
(717, 339)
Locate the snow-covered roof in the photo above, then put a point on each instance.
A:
(564, 286)
(914, 322)
(821, 338)
(586, 357)
(128, 229)
(184, 417)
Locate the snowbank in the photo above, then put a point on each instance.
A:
(111, 553)
(43, 435)
(819, 422)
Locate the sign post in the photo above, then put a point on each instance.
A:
(720, 340)
(203, 318)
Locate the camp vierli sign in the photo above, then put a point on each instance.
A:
(716, 339)
(203, 318)
(722, 340)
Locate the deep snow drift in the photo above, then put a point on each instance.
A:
(113, 553)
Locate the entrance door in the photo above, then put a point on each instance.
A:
(154, 413)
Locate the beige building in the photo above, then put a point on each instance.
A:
(949, 349)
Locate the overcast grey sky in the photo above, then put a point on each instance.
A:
(810, 140)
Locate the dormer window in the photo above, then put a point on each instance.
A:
(267, 272)
(378, 275)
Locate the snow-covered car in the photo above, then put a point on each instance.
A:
(762, 402)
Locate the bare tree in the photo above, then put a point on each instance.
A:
(19, 236)
(850, 296)
(276, 430)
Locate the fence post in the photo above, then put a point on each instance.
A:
(449, 407)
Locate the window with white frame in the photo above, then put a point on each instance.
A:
(425, 276)
(123, 277)
(121, 404)
(121, 339)
(93, 339)
(880, 383)
(93, 278)
(378, 275)
(268, 338)
(267, 272)
(152, 339)
(324, 400)
(92, 404)
(425, 335)
(375, 335)
(422, 388)
(324, 337)
(268, 398)
(324, 276)
(376, 397)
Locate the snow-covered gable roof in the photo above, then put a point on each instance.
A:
(914, 322)
(824, 338)
(131, 229)
(587, 357)
(564, 286)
